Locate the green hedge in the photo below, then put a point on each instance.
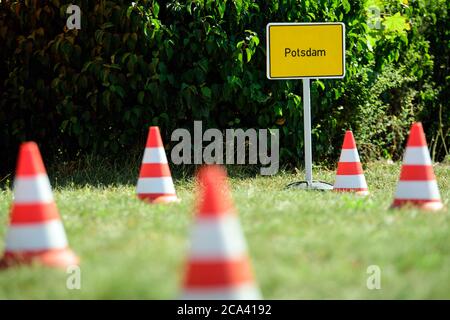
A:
(168, 63)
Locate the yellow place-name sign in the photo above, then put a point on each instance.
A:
(305, 50)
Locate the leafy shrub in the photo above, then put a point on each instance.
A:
(168, 63)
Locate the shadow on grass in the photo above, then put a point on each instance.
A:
(96, 171)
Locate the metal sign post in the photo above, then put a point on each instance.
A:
(309, 183)
(305, 51)
(307, 130)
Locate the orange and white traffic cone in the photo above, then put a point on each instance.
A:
(155, 183)
(417, 185)
(36, 233)
(218, 265)
(350, 175)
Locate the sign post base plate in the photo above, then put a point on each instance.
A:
(310, 185)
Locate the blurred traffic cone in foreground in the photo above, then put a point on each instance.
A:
(417, 185)
(36, 233)
(218, 265)
(350, 175)
(155, 183)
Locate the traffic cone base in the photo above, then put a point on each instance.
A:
(417, 186)
(57, 258)
(155, 183)
(241, 292)
(357, 191)
(427, 205)
(350, 175)
(158, 198)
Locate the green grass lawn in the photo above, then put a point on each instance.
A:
(303, 245)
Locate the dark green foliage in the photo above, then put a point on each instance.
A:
(169, 63)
